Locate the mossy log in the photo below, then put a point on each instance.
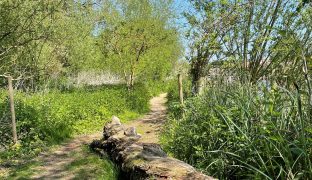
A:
(141, 160)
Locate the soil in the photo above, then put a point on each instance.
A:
(52, 164)
(149, 126)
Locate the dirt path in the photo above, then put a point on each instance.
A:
(150, 125)
(72, 161)
(54, 164)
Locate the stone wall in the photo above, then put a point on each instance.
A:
(141, 160)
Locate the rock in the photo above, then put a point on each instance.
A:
(112, 128)
(131, 131)
(115, 120)
(154, 149)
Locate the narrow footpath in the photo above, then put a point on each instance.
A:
(72, 160)
(149, 126)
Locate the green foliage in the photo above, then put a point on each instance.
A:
(43, 40)
(90, 166)
(243, 132)
(84, 165)
(173, 89)
(138, 97)
(50, 118)
(137, 41)
(264, 38)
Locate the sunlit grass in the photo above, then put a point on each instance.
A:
(243, 131)
(84, 165)
(88, 165)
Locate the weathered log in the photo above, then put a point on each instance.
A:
(141, 160)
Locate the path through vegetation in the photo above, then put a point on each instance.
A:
(73, 160)
(150, 125)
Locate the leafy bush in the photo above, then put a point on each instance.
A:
(173, 89)
(243, 132)
(50, 118)
(138, 97)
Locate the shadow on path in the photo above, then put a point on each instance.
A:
(150, 124)
(73, 160)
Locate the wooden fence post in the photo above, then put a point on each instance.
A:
(180, 89)
(11, 95)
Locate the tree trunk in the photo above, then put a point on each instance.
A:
(131, 79)
(196, 74)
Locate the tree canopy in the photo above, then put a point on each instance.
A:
(137, 39)
(265, 38)
(45, 40)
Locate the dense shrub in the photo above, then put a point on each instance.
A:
(138, 97)
(243, 132)
(173, 89)
(49, 118)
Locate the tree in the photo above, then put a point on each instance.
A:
(42, 40)
(135, 33)
(203, 39)
(22, 27)
(259, 36)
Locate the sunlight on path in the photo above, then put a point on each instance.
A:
(54, 165)
(73, 160)
(150, 125)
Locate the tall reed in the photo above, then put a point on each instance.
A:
(244, 131)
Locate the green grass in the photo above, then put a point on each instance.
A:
(85, 165)
(45, 119)
(88, 165)
(23, 171)
(243, 132)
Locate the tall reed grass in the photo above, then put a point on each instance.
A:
(243, 132)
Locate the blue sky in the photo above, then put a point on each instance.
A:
(180, 6)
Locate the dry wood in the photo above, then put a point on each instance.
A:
(180, 88)
(11, 95)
